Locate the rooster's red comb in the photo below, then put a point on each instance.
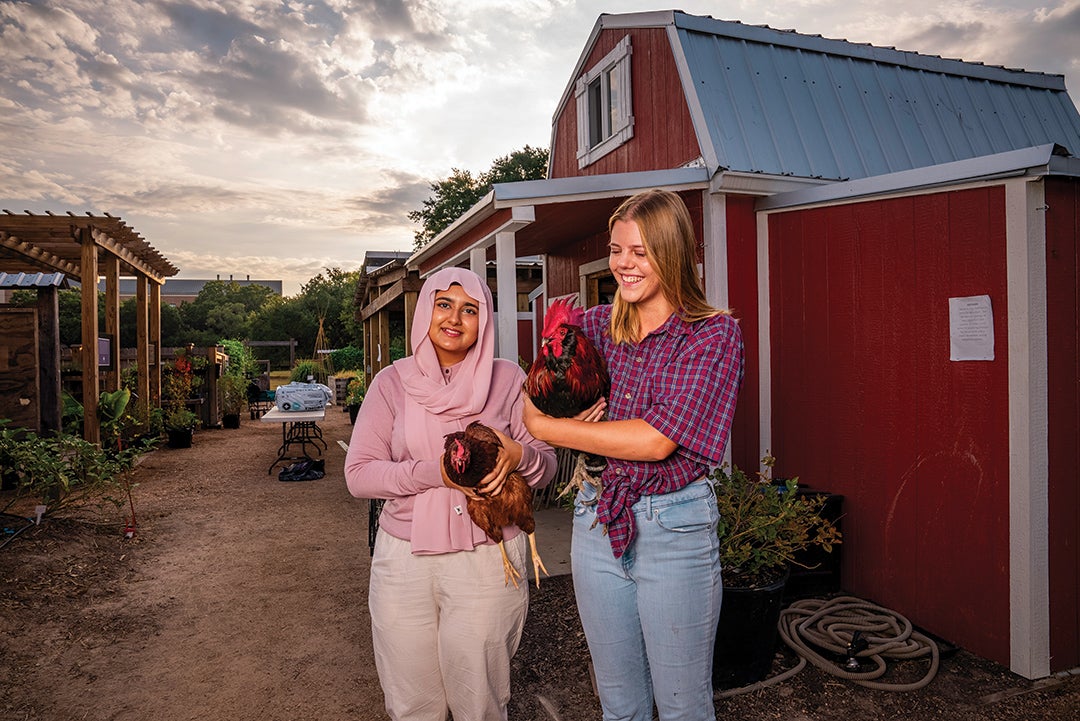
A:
(562, 311)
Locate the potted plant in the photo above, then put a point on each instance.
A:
(354, 396)
(233, 399)
(763, 527)
(180, 425)
(179, 421)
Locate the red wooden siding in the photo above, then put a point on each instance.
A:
(663, 131)
(743, 303)
(867, 404)
(1063, 312)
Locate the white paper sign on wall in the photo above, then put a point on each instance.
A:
(971, 329)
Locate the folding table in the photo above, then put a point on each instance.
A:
(297, 428)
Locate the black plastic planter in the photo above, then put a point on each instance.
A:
(746, 636)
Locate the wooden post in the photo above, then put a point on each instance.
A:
(410, 310)
(153, 336)
(49, 387)
(142, 349)
(88, 276)
(384, 337)
(111, 271)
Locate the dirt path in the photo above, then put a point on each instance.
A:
(240, 597)
(244, 598)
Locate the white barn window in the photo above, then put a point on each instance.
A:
(604, 116)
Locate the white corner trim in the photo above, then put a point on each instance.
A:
(506, 339)
(764, 340)
(715, 253)
(1029, 572)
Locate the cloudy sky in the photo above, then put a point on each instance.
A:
(276, 138)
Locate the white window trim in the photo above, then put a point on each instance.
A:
(620, 54)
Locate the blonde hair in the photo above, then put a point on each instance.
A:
(670, 247)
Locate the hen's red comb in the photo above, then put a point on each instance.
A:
(560, 312)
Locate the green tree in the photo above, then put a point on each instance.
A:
(330, 297)
(223, 308)
(454, 195)
(69, 302)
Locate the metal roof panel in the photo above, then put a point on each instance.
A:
(781, 103)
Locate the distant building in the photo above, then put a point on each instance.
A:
(375, 259)
(184, 290)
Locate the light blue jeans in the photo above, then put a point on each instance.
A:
(650, 617)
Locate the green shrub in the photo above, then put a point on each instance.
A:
(354, 393)
(305, 368)
(241, 360)
(347, 358)
(63, 470)
(764, 524)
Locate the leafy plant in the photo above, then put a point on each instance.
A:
(179, 382)
(233, 393)
(179, 418)
(63, 470)
(241, 360)
(306, 368)
(354, 392)
(348, 358)
(763, 525)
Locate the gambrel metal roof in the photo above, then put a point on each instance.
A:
(777, 102)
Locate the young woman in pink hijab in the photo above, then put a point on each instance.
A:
(444, 622)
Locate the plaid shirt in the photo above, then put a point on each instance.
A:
(683, 380)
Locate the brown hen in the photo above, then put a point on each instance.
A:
(470, 455)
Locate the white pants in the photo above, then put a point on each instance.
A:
(444, 629)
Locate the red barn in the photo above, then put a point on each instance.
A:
(897, 234)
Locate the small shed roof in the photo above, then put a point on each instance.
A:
(32, 243)
(9, 281)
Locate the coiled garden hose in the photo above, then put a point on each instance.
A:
(849, 627)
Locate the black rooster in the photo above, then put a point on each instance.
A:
(568, 376)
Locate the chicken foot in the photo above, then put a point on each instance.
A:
(538, 564)
(509, 572)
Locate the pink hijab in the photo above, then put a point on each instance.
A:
(434, 407)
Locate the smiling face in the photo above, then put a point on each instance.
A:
(455, 324)
(638, 282)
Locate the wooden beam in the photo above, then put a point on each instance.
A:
(111, 271)
(104, 240)
(39, 258)
(91, 426)
(386, 297)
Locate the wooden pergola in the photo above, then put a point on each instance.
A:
(86, 248)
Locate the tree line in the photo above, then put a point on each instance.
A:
(227, 309)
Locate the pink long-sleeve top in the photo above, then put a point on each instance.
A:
(379, 464)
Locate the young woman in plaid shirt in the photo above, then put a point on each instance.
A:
(645, 552)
